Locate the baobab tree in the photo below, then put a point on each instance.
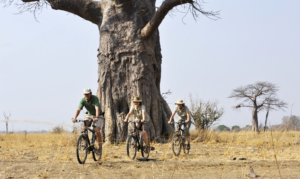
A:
(259, 96)
(129, 55)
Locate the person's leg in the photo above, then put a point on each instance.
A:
(144, 133)
(137, 127)
(99, 137)
(187, 133)
(87, 122)
(145, 137)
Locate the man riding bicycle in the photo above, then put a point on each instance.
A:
(184, 116)
(141, 118)
(92, 105)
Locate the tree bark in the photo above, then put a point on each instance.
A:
(265, 128)
(129, 66)
(254, 120)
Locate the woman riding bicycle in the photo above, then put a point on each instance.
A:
(141, 117)
(184, 116)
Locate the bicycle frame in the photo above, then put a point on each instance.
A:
(135, 133)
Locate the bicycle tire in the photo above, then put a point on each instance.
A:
(184, 146)
(176, 144)
(131, 147)
(96, 156)
(144, 147)
(82, 145)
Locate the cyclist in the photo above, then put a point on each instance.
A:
(92, 105)
(141, 118)
(184, 116)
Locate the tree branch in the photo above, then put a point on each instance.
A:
(87, 9)
(163, 10)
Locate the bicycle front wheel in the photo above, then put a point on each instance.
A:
(176, 144)
(96, 156)
(145, 148)
(81, 148)
(131, 147)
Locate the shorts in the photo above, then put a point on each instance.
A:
(187, 128)
(98, 123)
(145, 126)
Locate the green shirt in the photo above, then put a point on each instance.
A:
(181, 113)
(90, 105)
(138, 113)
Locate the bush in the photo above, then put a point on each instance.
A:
(204, 114)
(58, 130)
(223, 128)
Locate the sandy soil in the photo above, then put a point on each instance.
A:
(202, 162)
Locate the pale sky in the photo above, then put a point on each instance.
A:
(45, 65)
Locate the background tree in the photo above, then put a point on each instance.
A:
(6, 117)
(258, 96)
(235, 128)
(223, 128)
(291, 122)
(129, 58)
(204, 114)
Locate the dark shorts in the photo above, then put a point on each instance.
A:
(145, 126)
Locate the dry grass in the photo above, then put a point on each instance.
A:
(53, 150)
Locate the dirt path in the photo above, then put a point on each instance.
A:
(202, 162)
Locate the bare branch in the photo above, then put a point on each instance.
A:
(87, 9)
(166, 6)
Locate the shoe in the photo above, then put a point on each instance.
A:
(98, 151)
(147, 149)
(188, 147)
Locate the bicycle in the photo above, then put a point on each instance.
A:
(136, 142)
(179, 141)
(84, 146)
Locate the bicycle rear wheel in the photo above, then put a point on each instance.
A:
(81, 148)
(131, 147)
(184, 146)
(176, 143)
(145, 150)
(96, 156)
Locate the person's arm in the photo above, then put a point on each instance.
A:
(188, 116)
(144, 116)
(76, 115)
(172, 116)
(128, 115)
(97, 113)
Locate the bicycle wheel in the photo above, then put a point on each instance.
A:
(145, 149)
(96, 156)
(82, 145)
(176, 143)
(131, 147)
(184, 146)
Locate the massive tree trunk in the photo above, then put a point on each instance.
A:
(129, 66)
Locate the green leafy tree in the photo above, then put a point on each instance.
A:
(223, 128)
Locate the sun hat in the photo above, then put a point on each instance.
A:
(87, 91)
(179, 101)
(136, 99)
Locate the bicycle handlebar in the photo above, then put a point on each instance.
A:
(178, 123)
(133, 121)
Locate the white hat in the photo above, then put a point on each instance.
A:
(136, 99)
(87, 91)
(179, 101)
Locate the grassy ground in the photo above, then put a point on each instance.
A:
(271, 155)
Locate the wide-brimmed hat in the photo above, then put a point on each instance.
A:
(136, 99)
(179, 101)
(87, 91)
